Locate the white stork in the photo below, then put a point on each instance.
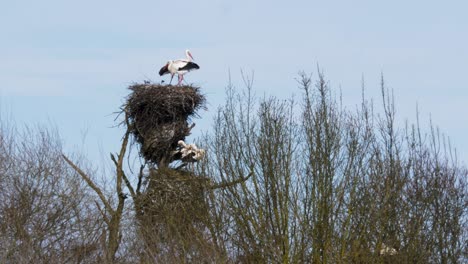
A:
(179, 67)
(190, 151)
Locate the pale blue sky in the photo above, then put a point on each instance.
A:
(69, 63)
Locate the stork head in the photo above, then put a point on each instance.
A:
(164, 69)
(189, 54)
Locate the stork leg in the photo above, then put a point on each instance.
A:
(172, 76)
(181, 77)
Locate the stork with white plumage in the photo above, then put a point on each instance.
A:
(179, 67)
(189, 152)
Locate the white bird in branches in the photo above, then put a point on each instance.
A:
(179, 67)
(190, 151)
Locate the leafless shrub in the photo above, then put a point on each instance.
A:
(333, 185)
(43, 205)
(281, 181)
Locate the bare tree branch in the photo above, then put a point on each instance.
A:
(230, 184)
(90, 184)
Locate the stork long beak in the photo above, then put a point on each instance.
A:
(190, 55)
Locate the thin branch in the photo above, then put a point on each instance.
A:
(140, 177)
(127, 182)
(114, 160)
(232, 183)
(102, 213)
(90, 184)
(129, 186)
(119, 163)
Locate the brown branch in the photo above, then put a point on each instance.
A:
(114, 223)
(102, 213)
(191, 126)
(232, 183)
(114, 160)
(129, 186)
(127, 182)
(140, 177)
(90, 184)
(119, 163)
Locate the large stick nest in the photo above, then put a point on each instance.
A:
(159, 116)
(173, 216)
(174, 199)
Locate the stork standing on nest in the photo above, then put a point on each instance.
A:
(179, 67)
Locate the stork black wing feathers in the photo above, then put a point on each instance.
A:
(188, 67)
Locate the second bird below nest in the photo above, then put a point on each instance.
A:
(179, 67)
(188, 152)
